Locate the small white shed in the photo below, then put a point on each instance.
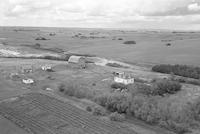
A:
(28, 81)
(46, 68)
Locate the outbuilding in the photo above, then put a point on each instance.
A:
(123, 78)
(47, 68)
(28, 81)
(79, 60)
(27, 69)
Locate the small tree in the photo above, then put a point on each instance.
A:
(99, 111)
(89, 109)
(117, 117)
(130, 42)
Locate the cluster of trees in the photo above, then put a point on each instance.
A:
(163, 87)
(144, 102)
(159, 87)
(155, 110)
(75, 90)
(181, 70)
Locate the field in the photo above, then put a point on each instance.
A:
(150, 47)
(38, 113)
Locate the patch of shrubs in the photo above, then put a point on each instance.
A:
(168, 44)
(159, 87)
(118, 86)
(61, 87)
(89, 109)
(75, 90)
(41, 38)
(154, 110)
(181, 70)
(130, 42)
(115, 65)
(141, 88)
(99, 111)
(120, 38)
(163, 87)
(193, 81)
(114, 102)
(117, 117)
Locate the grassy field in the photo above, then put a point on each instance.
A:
(150, 47)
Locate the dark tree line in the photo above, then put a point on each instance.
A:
(181, 70)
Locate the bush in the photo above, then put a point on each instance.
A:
(168, 44)
(40, 38)
(89, 109)
(37, 45)
(193, 81)
(166, 87)
(114, 102)
(99, 111)
(140, 88)
(115, 65)
(130, 42)
(117, 117)
(74, 89)
(101, 99)
(61, 87)
(181, 70)
(118, 86)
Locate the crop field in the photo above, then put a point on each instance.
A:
(41, 114)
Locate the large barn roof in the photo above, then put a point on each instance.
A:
(74, 59)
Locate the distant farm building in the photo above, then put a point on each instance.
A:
(28, 81)
(27, 69)
(78, 60)
(124, 78)
(47, 68)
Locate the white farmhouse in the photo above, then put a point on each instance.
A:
(123, 78)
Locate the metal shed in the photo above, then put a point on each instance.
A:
(79, 60)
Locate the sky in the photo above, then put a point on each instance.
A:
(134, 14)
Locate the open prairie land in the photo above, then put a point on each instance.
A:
(150, 48)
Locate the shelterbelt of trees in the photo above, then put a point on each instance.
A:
(181, 70)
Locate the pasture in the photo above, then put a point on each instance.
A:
(150, 47)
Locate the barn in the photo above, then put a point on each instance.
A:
(78, 60)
